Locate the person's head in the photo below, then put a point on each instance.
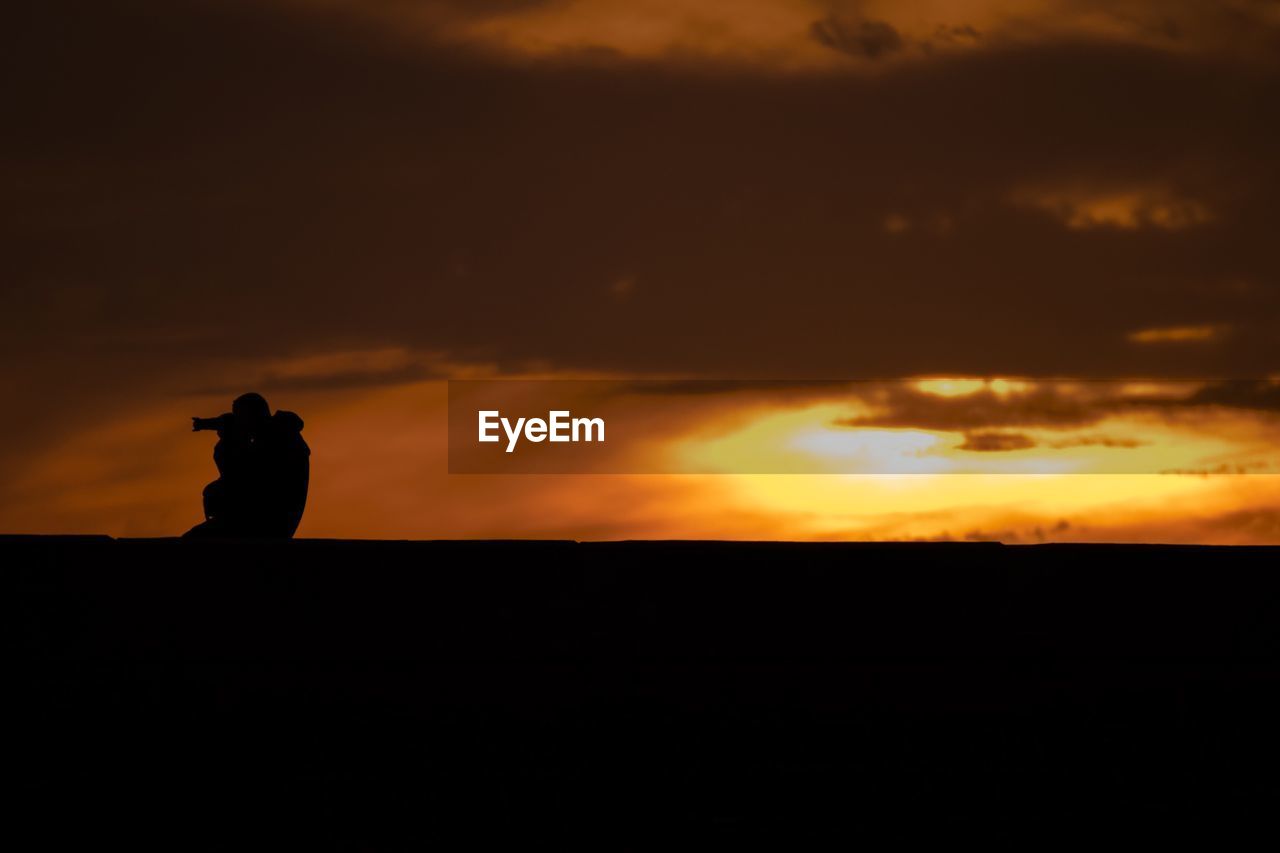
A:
(251, 411)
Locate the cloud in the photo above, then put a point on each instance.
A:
(1257, 395)
(1053, 405)
(392, 212)
(1081, 208)
(1203, 333)
(622, 288)
(896, 223)
(956, 33)
(349, 368)
(996, 442)
(983, 408)
(1095, 441)
(860, 38)
(810, 35)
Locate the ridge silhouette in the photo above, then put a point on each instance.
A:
(263, 472)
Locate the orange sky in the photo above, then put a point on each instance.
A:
(342, 204)
(380, 470)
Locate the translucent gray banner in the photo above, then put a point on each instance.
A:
(869, 427)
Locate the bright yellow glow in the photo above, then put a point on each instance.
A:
(950, 387)
(910, 507)
(1006, 387)
(871, 446)
(811, 439)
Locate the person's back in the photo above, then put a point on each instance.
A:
(286, 473)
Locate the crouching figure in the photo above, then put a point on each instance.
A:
(263, 469)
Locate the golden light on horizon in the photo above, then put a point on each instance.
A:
(951, 387)
(382, 474)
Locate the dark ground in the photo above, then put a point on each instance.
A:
(641, 695)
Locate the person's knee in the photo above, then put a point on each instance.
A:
(215, 501)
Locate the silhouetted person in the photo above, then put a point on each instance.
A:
(263, 470)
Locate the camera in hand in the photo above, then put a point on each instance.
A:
(222, 423)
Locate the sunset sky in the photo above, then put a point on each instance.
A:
(344, 203)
